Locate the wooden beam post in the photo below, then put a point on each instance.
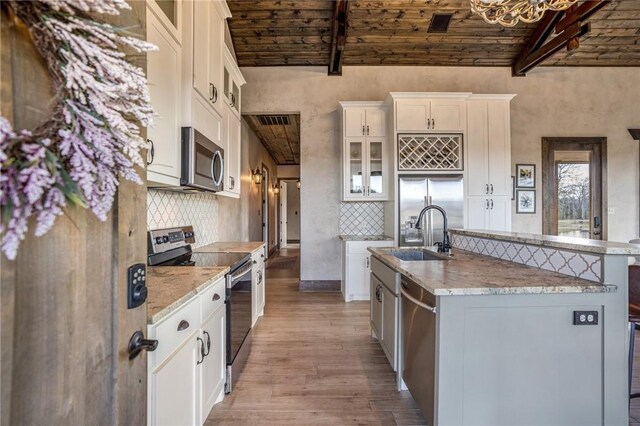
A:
(339, 36)
(564, 24)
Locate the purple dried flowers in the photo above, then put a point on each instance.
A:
(93, 138)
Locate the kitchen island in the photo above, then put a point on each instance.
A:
(512, 329)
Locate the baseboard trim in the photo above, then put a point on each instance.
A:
(273, 250)
(320, 285)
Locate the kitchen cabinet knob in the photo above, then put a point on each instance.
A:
(216, 296)
(202, 355)
(184, 324)
(208, 342)
(152, 152)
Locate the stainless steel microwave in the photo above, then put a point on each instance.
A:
(202, 162)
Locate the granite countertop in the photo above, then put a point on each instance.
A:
(171, 286)
(570, 243)
(230, 247)
(365, 237)
(469, 273)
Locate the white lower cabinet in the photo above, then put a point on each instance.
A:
(356, 268)
(186, 373)
(489, 213)
(173, 387)
(385, 310)
(212, 368)
(258, 284)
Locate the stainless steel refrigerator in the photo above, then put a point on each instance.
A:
(417, 192)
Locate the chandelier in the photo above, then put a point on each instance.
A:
(509, 12)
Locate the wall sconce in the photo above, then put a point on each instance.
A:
(257, 176)
(298, 184)
(276, 188)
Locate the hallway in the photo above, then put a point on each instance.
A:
(313, 362)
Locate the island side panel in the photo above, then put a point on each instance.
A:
(518, 359)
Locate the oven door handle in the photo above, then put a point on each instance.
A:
(243, 270)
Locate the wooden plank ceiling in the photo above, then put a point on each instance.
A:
(280, 135)
(394, 32)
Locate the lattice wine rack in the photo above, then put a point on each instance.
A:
(430, 152)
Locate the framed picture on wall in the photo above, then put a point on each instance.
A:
(526, 201)
(525, 175)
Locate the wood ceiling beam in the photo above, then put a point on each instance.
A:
(569, 27)
(339, 36)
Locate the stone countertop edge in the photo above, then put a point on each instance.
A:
(230, 247)
(186, 282)
(493, 269)
(568, 243)
(349, 237)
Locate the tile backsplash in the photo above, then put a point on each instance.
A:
(166, 209)
(362, 218)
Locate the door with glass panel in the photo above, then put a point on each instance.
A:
(572, 180)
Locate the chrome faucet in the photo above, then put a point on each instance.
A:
(445, 245)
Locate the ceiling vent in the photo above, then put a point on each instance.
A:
(274, 120)
(439, 22)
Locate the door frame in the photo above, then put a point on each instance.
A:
(265, 206)
(282, 223)
(279, 206)
(598, 148)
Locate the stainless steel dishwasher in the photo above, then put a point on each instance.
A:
(419, 316)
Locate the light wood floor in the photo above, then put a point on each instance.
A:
(313, 362)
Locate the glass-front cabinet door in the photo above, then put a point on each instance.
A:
(375, 169)
(355, 168)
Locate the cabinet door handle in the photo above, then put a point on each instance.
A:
(367, 262)
(486, 188)
(487, 206)
(367, 130)
(202, 355)
(433, 123)
(363, 129)
(492, 204)
(428, 123)
(216, 296)
(152, 152)
(208, 343)
(491, 191)
(215, 94)
(184, 324)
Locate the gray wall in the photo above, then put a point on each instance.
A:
(550, 102)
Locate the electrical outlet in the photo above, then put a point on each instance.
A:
(585, 317)
(611, 210)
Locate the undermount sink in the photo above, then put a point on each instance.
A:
(417, 255)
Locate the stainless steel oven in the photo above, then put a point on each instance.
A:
(202, 162)
(239, 303)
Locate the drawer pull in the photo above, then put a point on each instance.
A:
(184, 324)
(216, 296)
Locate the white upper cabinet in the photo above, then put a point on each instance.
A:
(232, 82)
(365, 122)
(488, 159)
(366, 171)
(421, 114)
(208, 37)
(163, 76)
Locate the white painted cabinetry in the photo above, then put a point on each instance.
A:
(357, 267)
(365, 168)
(163, 76)
(258, 284)
(419, 114)
(385, 310)
(488, 159)
(186, 373)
